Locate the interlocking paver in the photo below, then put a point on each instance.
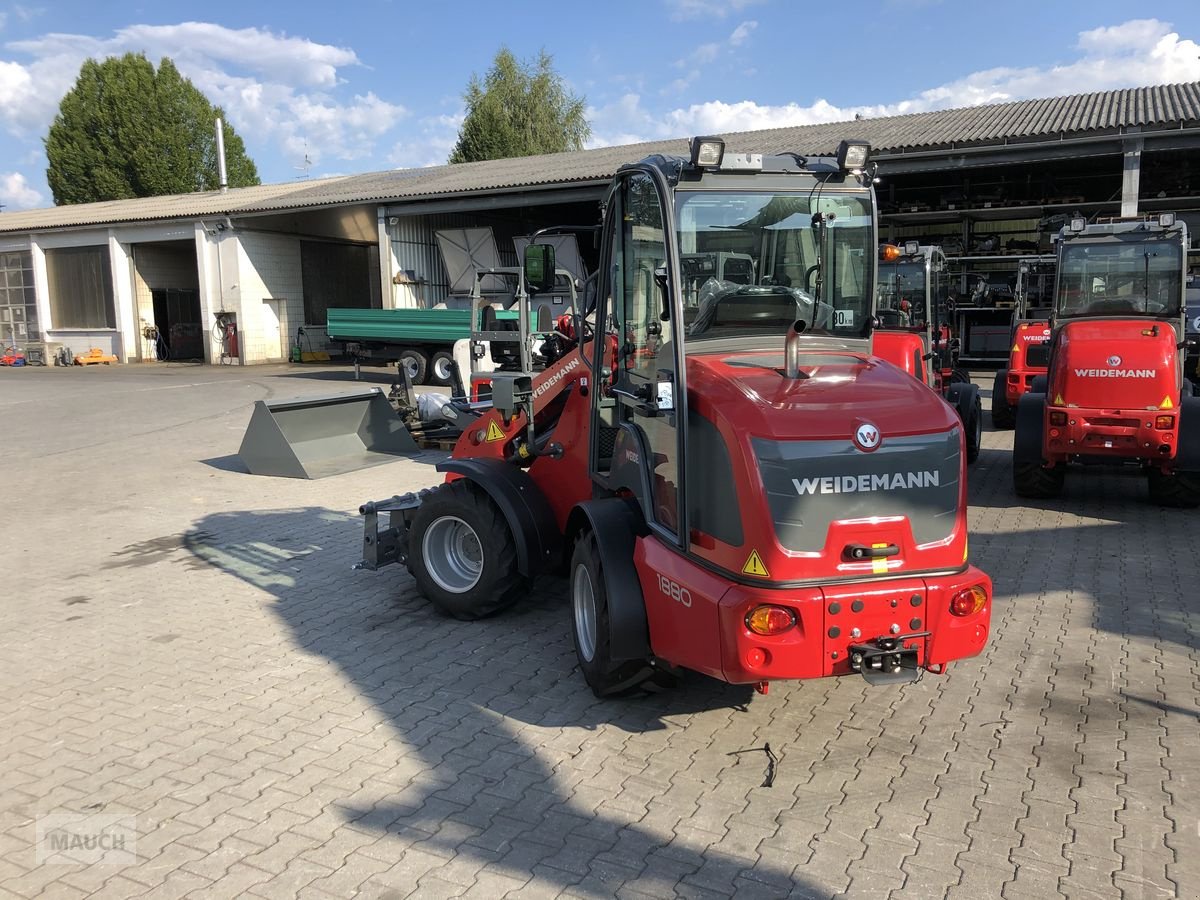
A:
(279, 725)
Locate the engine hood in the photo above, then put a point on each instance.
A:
(1114, 364)
(837, 392)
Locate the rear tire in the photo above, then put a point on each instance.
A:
(589, 626)
(439, 368)
(1035, 481)
(461, 553)
(1178, 490)
(974, 429)
(1004, 414)
(960, 375)
(417, 364)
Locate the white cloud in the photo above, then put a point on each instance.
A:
(15, 192)
(274, 87)
(741, 33)
(1135, 53)
(707, 9)
(430, 143)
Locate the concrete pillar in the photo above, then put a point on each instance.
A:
(123, 298)
(1131, 176)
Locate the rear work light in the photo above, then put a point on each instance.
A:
(1058, 417)
(969, 601)
(1164, 421)
(768, 620)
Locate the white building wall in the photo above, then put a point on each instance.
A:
(270, 289)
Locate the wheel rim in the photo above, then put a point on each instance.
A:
(453, 554)
(583, 598)
(410, 366)
(441, 369)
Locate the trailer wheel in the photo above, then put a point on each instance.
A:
(1004, 414)
(439, 368)
(462, 555)
(416, 363)
(589, 619)
(1178, 489)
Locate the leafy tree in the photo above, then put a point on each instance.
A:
(126, 130)
(519, 109)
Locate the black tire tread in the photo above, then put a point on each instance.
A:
(1035, 481)
(1004, 415)
(1178, 490)
(422, 363)
(605, 677)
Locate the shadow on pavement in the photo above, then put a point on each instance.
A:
(505, 733)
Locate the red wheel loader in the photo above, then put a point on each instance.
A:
(915, 333)
(730, 479)
(1115, 390)
(1029, 339)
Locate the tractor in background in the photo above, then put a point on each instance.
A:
(915, 332)
(1029, 339)
(1115, 391)
(731, 480)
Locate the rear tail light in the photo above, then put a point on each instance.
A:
(969, 601)
(1164, 421)
(769, 620)
(1057, 417)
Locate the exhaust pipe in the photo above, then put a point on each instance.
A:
(791, 350)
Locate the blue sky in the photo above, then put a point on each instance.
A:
(373, 84)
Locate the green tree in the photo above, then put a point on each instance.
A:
(519, 109)
(126, 130)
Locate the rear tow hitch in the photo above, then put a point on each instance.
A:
(888, 659)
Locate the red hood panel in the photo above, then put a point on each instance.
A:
(1114, 364)
(837, 392)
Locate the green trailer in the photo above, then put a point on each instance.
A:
(420, 339)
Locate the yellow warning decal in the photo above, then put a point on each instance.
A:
(1058, 400)
(879, 563)
(1166, 404)
(1016, 348)
(754, 566)
(494, 432)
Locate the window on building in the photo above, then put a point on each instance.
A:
(334, 275)
(18, 303)
(81, 290)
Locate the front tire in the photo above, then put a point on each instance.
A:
(461, 553)
(1178, 490)
(1035, 481)
(589, 618)
(1004, 414)
(974, 429)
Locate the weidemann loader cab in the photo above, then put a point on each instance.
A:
(734, 483)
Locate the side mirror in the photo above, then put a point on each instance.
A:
(539, 268)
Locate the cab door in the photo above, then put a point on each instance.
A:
(639, 317)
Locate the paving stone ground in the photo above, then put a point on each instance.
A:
(186, 644)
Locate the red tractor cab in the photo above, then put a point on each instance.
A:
(731, 480)
(1029, 339)
(915, 331)
(1115, 390)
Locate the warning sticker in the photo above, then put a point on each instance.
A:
(878, 564)
(494, 432)
(1058, 400)
(754, 566)
(1166, 404)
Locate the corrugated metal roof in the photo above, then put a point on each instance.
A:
(1151, 108)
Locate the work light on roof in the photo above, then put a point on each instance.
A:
(1078, 223)
(1166, 220)
(707, 152)
(911, 248)
(852, 155)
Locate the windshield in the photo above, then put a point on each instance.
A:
(1119, 278)
(901, 294)
(753, 263)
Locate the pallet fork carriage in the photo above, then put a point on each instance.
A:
(731, 480)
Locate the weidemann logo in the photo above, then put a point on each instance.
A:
(1115, 373)
(851, 484)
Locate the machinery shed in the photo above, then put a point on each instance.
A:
(245, 275)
